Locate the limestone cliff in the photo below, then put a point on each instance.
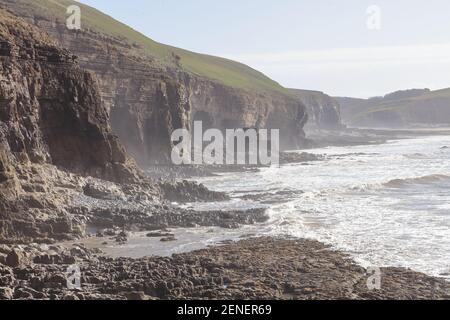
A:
(223, 107)
(324, 111)
(50, 109)
(50, 116)
(148, 96)
(61, 168)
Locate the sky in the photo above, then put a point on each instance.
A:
(354, 48)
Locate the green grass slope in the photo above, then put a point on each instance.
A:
(221, 70)
(354, 110)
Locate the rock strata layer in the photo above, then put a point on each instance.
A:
(61, 167)
(324, 111)
(50, 109)
(148, 99)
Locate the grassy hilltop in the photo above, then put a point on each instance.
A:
(417, 106)
(227, 72)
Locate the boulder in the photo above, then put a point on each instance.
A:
(137, 296)
(14, 258)
(6, 294)
(103, 192)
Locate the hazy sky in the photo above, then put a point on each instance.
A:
(322, 45)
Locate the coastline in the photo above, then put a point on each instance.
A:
(94, 114)
(368, 136)
(254, 268)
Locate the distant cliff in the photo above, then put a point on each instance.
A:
(323, 111)
(151, 89)
(408, 108)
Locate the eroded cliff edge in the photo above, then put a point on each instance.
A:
(62, 170)
(149, 97)
(324, 111)
(51, 117)
(50, 108)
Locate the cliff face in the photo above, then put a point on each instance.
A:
(145, 104)
(147, 99)
(50, 109)
(54, 131)
(222, 107)
(323, 111)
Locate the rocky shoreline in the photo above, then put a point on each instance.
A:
(62, 206)
(65, 205)
(63, 173)
(258, 268)
(35, 267)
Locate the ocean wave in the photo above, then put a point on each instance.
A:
(416, 156)
(399, 183)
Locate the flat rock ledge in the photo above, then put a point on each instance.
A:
(258, 268)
